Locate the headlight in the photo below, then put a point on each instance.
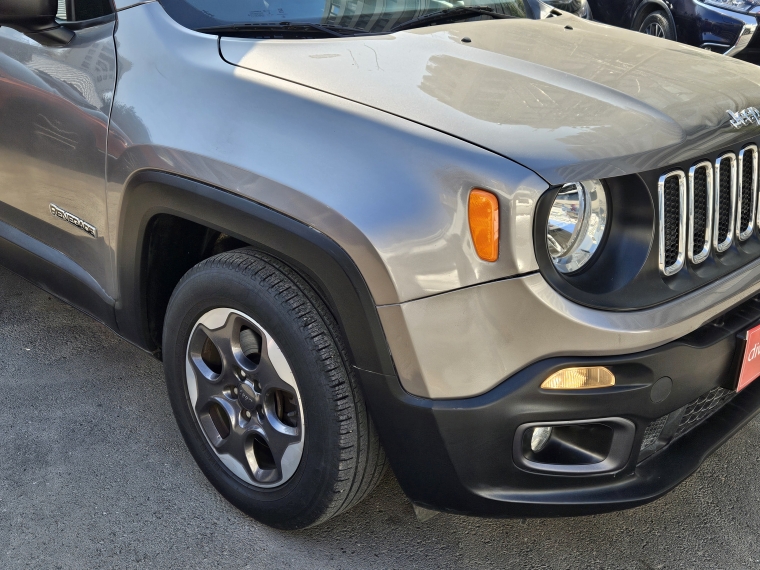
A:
(735, 5)
(576, 224)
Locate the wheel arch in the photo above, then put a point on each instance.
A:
(647, 7)
(153, 200)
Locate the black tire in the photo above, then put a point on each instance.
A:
(342, 460)
(658, 24)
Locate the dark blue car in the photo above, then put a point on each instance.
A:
(722, 26)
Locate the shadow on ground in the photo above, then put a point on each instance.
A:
(93, 473)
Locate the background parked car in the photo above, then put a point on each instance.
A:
(578, 7)
(722, 26)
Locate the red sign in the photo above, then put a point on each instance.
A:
(751, 361)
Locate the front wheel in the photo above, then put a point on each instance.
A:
(261, 388)
(658, 25)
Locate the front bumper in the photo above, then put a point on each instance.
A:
(466, 342)
(457, 455)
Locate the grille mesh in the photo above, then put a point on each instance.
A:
(657, 435)
(700, 209)
(671, 221)
(653, 432)
(702, 408)
(746, 205)
(724, 203)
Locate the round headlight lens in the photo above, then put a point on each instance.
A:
(576, 224)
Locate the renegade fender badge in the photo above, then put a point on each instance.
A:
(745, 117)
(73, 220)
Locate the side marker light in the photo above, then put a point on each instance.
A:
(483, 215)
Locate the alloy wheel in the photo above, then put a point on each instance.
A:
(245, 397)
(655, 29)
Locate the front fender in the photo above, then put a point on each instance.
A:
(391, 193)
(150, 193)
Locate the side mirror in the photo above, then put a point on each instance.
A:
(36, 19)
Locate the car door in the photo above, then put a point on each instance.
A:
(54, 108)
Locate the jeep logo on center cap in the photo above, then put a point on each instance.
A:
(247, 397)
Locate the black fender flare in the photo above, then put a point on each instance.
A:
(660, 4)
(317, 257)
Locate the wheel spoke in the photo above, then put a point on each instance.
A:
(279, 441)
(216, 415)
(207, 394)
(224, 340)
(234, 447)
(267, 374)
(654, 29)
(206, 390)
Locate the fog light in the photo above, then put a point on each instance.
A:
(575, 447)
(539, 438)
(579, 379)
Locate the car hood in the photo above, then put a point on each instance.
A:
(568, 98)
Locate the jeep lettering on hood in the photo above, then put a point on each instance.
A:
(568, 98)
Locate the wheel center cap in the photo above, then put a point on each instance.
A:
(247, 397)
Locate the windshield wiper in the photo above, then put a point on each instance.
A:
(283, 28)
(453, 14)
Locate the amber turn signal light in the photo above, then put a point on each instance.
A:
(579, 379)
(483, 214)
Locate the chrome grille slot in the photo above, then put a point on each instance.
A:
(747, 192)
(700, 211)
(672, 209)
(725, 201)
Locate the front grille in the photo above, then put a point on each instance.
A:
(720, 205)
(668, 428)
(700, 211)
(672, 220)
(725, 174)
(747, 196)
(672, 197)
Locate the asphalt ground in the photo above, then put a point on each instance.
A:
(94, 474)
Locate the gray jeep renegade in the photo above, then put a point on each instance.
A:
(514, 250)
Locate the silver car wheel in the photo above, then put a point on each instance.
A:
(245, 397)
(655, 29)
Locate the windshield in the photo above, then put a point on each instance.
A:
(372, 16)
